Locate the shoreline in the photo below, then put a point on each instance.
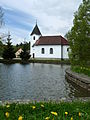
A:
(79, 79)
(27, 101)
(47, 61)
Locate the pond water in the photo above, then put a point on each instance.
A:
(36, 81)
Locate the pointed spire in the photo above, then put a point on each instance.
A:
(36, 30)
(9, 33)
(36, 21)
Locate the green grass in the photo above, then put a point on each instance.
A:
(47, 61)
(40, 113)
(79, 69)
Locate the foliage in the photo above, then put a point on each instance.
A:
(46, 111)
(79, 35)
(1, 48)
(24, 54)
(1, 17)
(8, 52)
(21, 45)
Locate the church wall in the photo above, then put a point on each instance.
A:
(56, 51)
(65, 52)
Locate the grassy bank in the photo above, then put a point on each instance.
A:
(46, 111)
(79, 69)
(47, 61)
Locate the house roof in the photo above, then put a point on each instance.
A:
(36, 30)
(51, 40)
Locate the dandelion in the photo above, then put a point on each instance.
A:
(20, 118)
(7, 106)
(81, 67)
(33, 107)
(7, 114)
(54, 113)
(47, 118)
(79, 114)
(71, 118)
(66, 113)
(42, 105)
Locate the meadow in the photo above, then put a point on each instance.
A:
(46, 111)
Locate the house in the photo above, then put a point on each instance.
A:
(18, 53)
(48, 46)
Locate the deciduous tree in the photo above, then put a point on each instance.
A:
(79, 35)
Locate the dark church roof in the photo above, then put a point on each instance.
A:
(36, 30)
(51, 40)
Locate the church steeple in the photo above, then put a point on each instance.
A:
(36, 30)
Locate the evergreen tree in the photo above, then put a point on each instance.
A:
(1, 48)
(8, 52)
(79, 35)
(24, 54)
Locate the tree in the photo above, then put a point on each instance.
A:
(24, 54)
(1, 48)
(8, 52)
(1, 17)
(79, 35)
(21, 45)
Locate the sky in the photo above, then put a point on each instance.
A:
(54, 17)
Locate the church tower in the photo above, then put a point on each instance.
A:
(35, 35)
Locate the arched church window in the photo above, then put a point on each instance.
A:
(67, 49)
(43, 51)
(51, 50)
(33, 37)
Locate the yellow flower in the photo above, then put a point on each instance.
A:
(79, 114)
(7, 106)
(7, 114)
(20, 118)
(54, 113)
(81, 68)
(47, 118)
(71, 118)
(66, 113)
(42, 105)
(33, 107)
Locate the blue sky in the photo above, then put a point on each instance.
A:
(54, 17)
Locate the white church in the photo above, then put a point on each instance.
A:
(48, 46)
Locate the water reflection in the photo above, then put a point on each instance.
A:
(36, 82)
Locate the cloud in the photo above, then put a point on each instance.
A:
(53, 16)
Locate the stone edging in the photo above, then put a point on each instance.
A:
(79, 79)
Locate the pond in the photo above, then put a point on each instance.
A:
(36, 81)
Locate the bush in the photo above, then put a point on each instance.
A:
(24, 55)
